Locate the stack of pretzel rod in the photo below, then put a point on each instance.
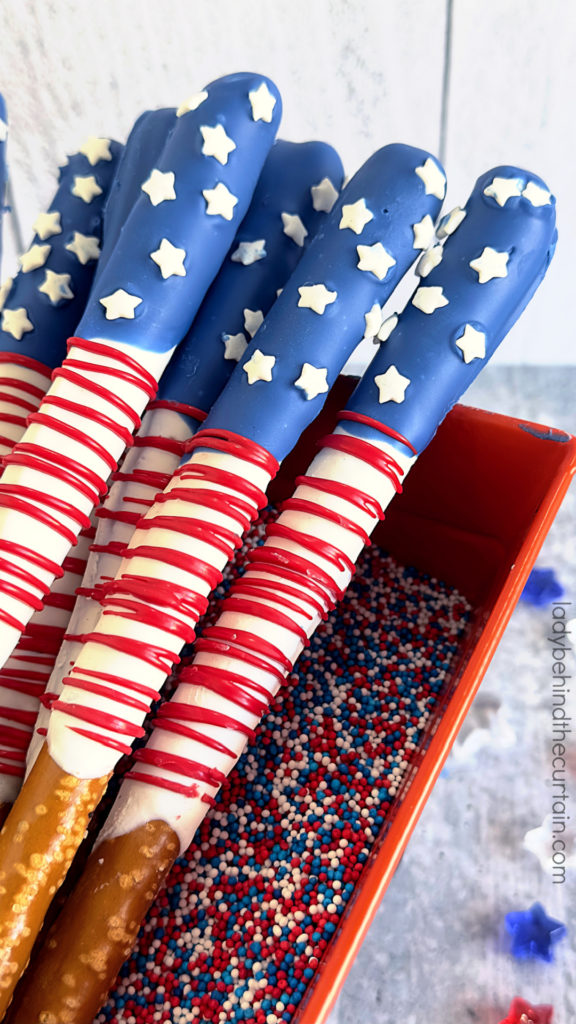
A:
(261, 258)
(477, 283)
(42, 306)
(183, 544)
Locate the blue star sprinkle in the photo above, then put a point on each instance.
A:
(542, 588)
(534, 934)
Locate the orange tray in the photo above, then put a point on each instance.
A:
(474, 512)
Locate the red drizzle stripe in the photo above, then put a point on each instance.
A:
(136, 611)
(105, 371)
(114, 547)
(108, 396)
(97, 737)
(10, 769)
(228, 504)
(146, 502)
(153, 780)
(75, 566)
(203, 716)
(365, 502)
(144, 476)
(224, 478)
(32, 364)
(180, 765)
(17, 421)
(46, 564)
(218, 536)
(181, 407)
(95, 415)
(359, 417)
(24, 596)
(212, 646)
(44, 460)
(221, 440)
(107, 693)
(18, 715)
(19, 738)
(163, 444)
(155, 656)
(22, 574)
(314, 509)
(79, 436)
(102, 719)
(118, 516)
(21, 686)
(367, 453)
(57, 504)
(188, 563)
(314, 575)
(189, 601)
(39, 514)
(10, 399)
(243, 588)
(41, 639)
(97, 348)
(200, 675)
(107, 677)
(64, 601)
(251, 642)
(167, 725)
(89, 532)
(258, 610)
(13, 755)
(272, 585)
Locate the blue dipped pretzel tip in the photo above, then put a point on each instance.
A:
(474, 287)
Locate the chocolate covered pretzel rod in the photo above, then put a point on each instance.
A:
(263, 254)
(180, 546)
(484, 276)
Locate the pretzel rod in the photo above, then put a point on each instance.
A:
(292, 581)
(261, 258)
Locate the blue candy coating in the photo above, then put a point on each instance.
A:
(423, 346)
(168, 305)
(274, 414)
(199, 370)
(143, 147)
(53, 324)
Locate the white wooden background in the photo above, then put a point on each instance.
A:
(479, 82)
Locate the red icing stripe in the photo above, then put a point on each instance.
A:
(62, 467)
(104, 691)
(39, 514)
(97, 348)
(32, 364)
(314, 509)
(365, 502)
(180, 765)
(221, 440)
(163, 444)
(152, 655)
(144, 476)
(148, 691)
(153, 780)
(253, 643)
(17, 421)
(118, 516)
(212, 646)
(258, 609)
(99, 718)
(124, 608)
(365, 452)
(181, 407)
(218, 536)
(245, 588)
(95, 415)
(313, 574)
(10, 399)
(228, 504)
(57, 504)
(139, 586)
(173, 709)
(188, 563)
(79, 436)
(101, 392)
(224, 478)
(369, 421)
(167, 725)
(204, 675)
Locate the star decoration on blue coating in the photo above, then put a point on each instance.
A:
(423, 232)
(248, 253)
(472, 344)
(503, 189)
(324, 195)
(313, 381)
(192, 103)
(387, 327)
(56, 287)
(294, 228)
(316, 297)
(428, 260)
(355, 216)
(220, 202)
(120, 305)
(537, 195)
(429, 298)
(16, 322)
(542, 588)
(253, 320)
(533, 933)
(374, 259)
(84, 247)
(451, 222)
(433, 177)
(490, 264)
(216, 142)
(259, 367)
(159, 187)
(47, 224)
(391, 385)
(262, 102)
(34, 258)
(373, 319)
(170, 259)
(96, 149)
(86, 187)
(235, 346)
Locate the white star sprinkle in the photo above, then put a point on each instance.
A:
(249, 252)
(16, 322)
(450, 222)
(537, 195)
(84, 247)
(220, 202)
(86, 187)
(429, 298)
(170, 259)
(312, 381)
(324, 195)
(375, 259)
(355, 216)
(316, 297)
(34, 258)
(216, 143)
(253, 320)
(235, 346)
(429, 260)
(539, 841)
(388, 326)
(120, 305)
(433, 178)
(294, 228)
(192, 103)
(472, 344)
(489, 264)
(262, 102)
(96, 149)
(259, 367)
(159, 186)
(391, 385)
(503, 189)
(5, 289)
(373, 320)
(47, 224)
(56, 287)
(423, 232)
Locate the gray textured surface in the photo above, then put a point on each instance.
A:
(435, 951)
